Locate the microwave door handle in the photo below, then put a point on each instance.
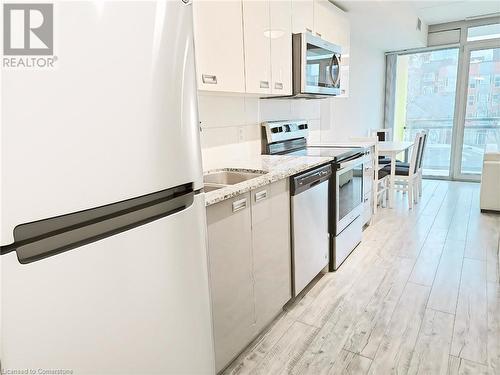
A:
(335, 62)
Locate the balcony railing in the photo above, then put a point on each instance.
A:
(479, 133)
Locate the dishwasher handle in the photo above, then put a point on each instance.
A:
(307, 180)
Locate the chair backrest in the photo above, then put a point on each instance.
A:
(424, 134)
(415, 154)
(375, 155)
(382, 134)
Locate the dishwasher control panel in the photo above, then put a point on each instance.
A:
(309, 179)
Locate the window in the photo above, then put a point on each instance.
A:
(422, 93)
(427, 90)
(428, 77)
(483, 32)
(481, 124)
(480, 138)
(484, 80)
(424, 98)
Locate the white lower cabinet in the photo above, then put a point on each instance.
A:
(231, 279)
(271, 250)
(250, 265)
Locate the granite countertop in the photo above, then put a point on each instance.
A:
(277, 167)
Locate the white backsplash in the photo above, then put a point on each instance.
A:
(231, 124)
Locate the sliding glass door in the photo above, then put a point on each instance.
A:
(452, 93)
(479, 119)
(425, 100)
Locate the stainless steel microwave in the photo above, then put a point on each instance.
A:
(315, 66)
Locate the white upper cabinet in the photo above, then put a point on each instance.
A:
(324, 25)
(302, 16)
(332, 24)
(256, 30)
(245, 46)
(281, 47)
(218, 33)
(342, 36)
(345, 42)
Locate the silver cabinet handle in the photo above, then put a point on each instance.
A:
(278, 85)
(239, 205)
(264, 84)
(318, 34)
(309, 30)
(209, 79)
(261, 195)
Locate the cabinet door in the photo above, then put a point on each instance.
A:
(218, 36)
(271, 250)
(256, 32)
(342, 37)
(302, 16)
(324, 20)
(281, 47)
(231, 282)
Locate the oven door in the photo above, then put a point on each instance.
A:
(349, 193)
(320, 66)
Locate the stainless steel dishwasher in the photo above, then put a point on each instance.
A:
(310, 238)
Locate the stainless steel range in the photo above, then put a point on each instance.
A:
(345, 198)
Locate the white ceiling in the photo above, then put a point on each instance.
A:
(391, 25)
(384, 25)
(433, 12)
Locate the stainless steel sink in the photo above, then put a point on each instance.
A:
(211, 187)
(230, 177)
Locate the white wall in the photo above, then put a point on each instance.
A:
(231, 128)
(342, 118)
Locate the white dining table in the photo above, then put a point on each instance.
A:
(392, 149)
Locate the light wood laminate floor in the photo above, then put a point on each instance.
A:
(419, 295)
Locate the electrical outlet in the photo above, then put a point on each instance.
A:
(241, 134)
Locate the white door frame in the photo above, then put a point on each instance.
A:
(461, 104)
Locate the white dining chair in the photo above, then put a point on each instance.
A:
(420, 165)
(382, 135)
(380, 189)
(421, 162)
(407, 177)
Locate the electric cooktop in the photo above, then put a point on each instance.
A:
(338, 153)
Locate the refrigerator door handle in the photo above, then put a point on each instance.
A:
(44, 238)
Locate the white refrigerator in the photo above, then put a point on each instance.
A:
(103, 239)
